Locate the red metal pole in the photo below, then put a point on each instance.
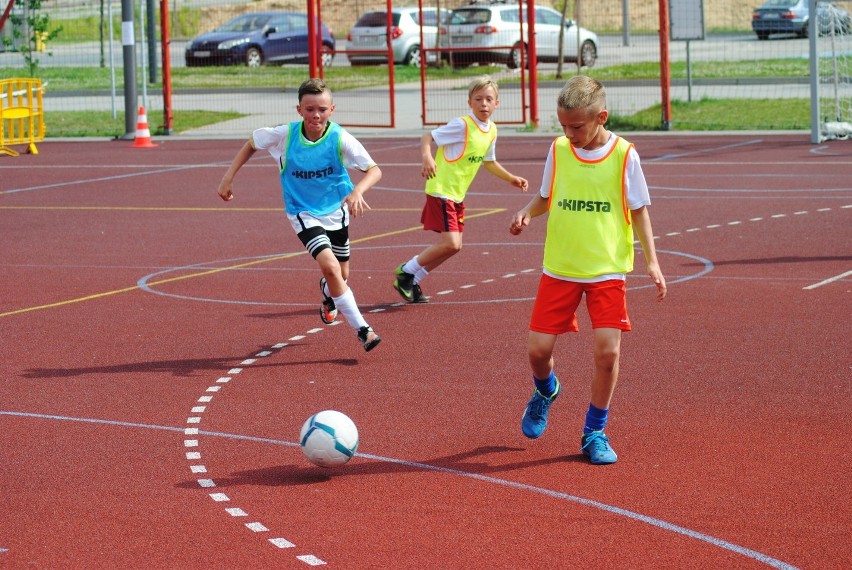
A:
(319, 39)
(165, 38)
(665, 69)
(532, 55)
(312, 39)
(6, 13)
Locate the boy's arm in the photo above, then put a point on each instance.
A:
(536, 207)
(642, 227)
(497, 170)
(226, 185)
(355, 200)
(428, 167)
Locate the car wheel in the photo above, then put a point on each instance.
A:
(254, 57)
(762, 35)
(514, 61)
(588, 54)
(412, 58)
(803, 33)
(327, 57)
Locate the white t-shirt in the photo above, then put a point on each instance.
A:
(634, 179)
(355, 156)
(274, 140)
(452, 137)
(637, 187)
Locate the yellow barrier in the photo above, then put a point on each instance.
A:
(21, 114)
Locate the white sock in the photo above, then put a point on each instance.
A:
(420, 275)
(412, 266)
(327, 291)
(346, 304)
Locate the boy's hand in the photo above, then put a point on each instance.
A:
(657, 277)
(519, 222)
(225, 191)
(356, 203)
(428, 168)
(520, 183)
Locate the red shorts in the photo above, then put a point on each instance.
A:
(442, 215)
(555, 308)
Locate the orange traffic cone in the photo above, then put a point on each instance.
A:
(143, 134)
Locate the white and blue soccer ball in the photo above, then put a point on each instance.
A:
(329, 438)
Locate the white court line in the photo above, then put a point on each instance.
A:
(827, 281)
(283, 543)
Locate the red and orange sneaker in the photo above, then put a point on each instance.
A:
(328, 311)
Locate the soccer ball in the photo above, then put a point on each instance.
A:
(329, 438)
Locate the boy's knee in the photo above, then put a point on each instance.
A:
(607, 359)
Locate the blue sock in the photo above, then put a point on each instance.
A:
(546, 387)
(595, 419)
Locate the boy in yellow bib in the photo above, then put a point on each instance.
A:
(596, 196)
(464, 144)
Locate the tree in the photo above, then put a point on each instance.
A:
(562, 36)
(32, 26)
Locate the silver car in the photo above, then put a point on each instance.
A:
(367, 40)
(491, 33)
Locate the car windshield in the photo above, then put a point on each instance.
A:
(471, 16)
(376, 20)
(246, 23)
(779, 3)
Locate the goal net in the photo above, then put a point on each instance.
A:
(833, 40)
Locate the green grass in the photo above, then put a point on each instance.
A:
(235, 77)
(102, 124)
(757, 69)
(706, 114)
(721, 115)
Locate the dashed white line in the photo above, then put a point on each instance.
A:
(256, 527)
(198, 468)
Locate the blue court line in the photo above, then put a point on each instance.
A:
(717, 542)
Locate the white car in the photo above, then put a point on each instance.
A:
(491, 33)
(367, 39)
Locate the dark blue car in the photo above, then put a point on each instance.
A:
(259, 38)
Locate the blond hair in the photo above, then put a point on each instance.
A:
(482, 82)
(582, 92)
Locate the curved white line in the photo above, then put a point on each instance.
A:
(724, 544)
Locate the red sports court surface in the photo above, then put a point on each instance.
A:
(162, 349)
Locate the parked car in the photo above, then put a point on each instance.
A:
(259, 38)
(492, 33)
(371, 30)
(791, 17)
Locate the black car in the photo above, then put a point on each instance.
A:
(259, 38)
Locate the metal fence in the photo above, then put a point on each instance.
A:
(627, 32)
